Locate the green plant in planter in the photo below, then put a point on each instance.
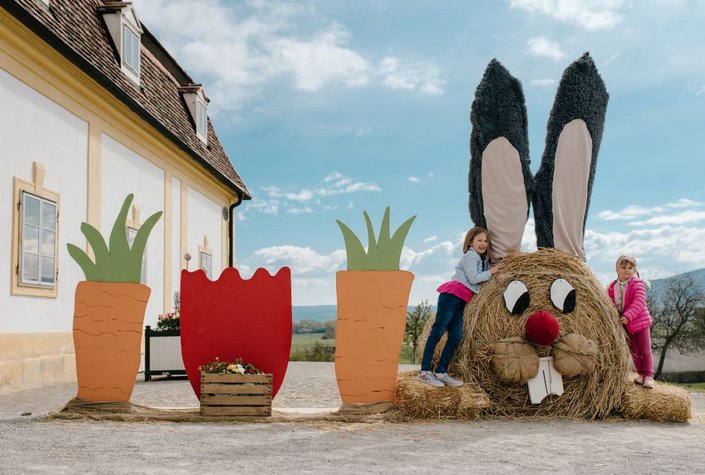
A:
(383, 253)
(119, 262)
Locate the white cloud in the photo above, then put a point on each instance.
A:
(660, 251)
(301, 260)
(679, 218)
(587, 14)
(414, 179)
(543, 47)
(291, 201)
(236, 48)
(701, 91)
(303, 195)
(684, 203)
(424, 77)
(302, 210)
(321, 60)
(629, 212)
(543, 82)
(659, 214)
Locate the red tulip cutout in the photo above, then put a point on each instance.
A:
(234, 318)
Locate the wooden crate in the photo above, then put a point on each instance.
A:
(236, 394)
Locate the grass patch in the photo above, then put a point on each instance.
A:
(312, 347)
(693, 386)
(308, 340)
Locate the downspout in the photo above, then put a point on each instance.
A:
(231, 237)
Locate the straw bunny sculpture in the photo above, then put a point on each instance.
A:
(541, 338)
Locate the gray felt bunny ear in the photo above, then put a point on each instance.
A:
(564, 179)
(500, 181)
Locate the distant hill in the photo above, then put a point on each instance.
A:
(318, 313)
(658, 286)
(321, 313)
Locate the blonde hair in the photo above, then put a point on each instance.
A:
(470, 237)
(625, 258)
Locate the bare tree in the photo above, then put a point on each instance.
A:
(678, 317)
(415, 323)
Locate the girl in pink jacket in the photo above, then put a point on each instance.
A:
(629, 296)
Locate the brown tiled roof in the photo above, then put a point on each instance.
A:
(75, 28)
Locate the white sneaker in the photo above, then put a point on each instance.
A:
(428, 378)
(639, 380)
(649, 382)
(447, 380)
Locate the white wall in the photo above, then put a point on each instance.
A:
(125, 172)
(33, 128)
(175, 237)
(205, 217)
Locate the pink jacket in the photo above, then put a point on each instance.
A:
(634, 306)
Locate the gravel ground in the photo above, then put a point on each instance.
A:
(34, 444)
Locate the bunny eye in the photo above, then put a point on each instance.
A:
(563, 295)
(516, 297)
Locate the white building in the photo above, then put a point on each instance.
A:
(93, 108)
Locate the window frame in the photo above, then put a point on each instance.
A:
(41, 229)
(201, 120)
(205, 251)
(134, 224)
(34, 189)
(128, 32)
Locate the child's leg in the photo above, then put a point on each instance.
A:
(636, 354)
(444, 314)
(642, 343)
(455, 332)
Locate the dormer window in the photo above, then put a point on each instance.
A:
(197, 104)
(201, 121)
(130, 50)
(125, 30)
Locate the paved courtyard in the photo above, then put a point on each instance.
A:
(34, 444)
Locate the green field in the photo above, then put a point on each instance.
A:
(306, 341)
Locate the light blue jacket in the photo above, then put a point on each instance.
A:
(471, 271)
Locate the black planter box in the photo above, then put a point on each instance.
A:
(162, 353)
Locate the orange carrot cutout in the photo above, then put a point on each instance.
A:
(372, 299)
(109, 310)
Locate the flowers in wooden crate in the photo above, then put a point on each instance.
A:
(228, 367)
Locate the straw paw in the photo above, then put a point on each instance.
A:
(575, 355)
(515, 361)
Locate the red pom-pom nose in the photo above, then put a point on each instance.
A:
(542, 328)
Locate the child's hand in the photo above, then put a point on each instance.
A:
(494, 268)
(623, 320)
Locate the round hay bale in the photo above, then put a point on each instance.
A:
(663, 403)
(595, 394)
(419, 400)
(575, 355)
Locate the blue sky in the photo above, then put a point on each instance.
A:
(330, 108)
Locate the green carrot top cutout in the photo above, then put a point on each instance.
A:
(119, 262)
(383, 253)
